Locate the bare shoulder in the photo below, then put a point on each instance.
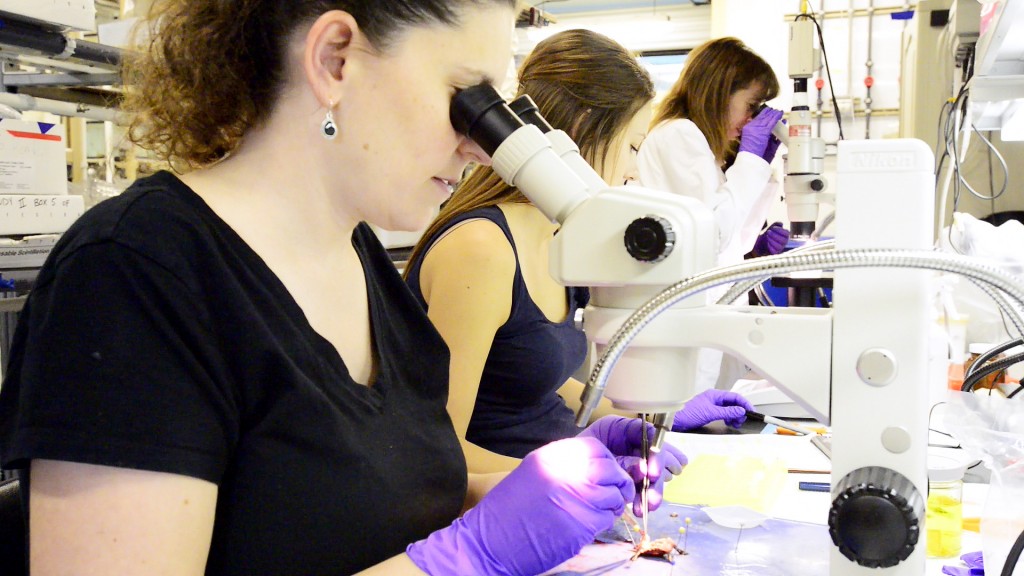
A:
(476, 255)
(477, 246)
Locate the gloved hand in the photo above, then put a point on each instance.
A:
(711, 405)
(757, 134)
(624, 438)
(771, 241)
(771, 148)
(543, 513)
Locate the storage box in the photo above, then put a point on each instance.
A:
(33, 159)
(35, 214)
(27, 252)
(77, 14)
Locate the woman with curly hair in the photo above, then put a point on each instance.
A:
(221, 372)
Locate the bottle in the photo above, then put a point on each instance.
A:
(977, 349)
(944, 511)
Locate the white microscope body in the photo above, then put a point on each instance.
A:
(859, 366)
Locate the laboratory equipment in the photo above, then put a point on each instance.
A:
(780, 423)
(945, 506)
(804, 186)
(860, 366)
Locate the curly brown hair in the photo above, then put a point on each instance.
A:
(211, 69)
(714, 71)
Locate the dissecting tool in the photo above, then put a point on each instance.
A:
(645, 449)
(631, 524)
(780, 423)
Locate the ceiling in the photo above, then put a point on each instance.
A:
(576, 7)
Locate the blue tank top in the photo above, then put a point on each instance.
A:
(518, 407)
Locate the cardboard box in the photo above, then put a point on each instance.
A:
(27, 252)
(33, 159)
(36, 214)
(76, 14)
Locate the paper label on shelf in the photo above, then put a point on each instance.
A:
(77, 14)
(33, 159)
(34, 214)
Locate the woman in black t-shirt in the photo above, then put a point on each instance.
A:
(220, 371)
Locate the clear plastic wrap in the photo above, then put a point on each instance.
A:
(992, 429)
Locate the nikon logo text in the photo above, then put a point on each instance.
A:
(882, 161)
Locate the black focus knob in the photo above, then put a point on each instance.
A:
(875, 519)
(817, 185)
(649, 239)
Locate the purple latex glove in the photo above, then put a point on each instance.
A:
(771, 241)
(757, 134)
(711, 405)
(975, 566)
(543, 513)
(771, 148)
(624, 438)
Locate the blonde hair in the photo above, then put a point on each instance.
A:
(714, 71)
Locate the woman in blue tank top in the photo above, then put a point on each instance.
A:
(481, 268)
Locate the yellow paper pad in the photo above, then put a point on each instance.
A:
(720, 480)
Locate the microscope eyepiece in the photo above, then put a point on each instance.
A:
(482, 114)
(529, 113)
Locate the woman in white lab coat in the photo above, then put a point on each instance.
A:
(708, 141)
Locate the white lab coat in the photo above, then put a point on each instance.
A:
(675, 157)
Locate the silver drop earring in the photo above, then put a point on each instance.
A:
(328, 128)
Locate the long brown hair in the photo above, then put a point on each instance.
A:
(714, 71)
(214, 68)
(583, 83)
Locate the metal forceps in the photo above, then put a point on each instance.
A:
(645, 450)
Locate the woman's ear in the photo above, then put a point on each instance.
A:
(328, 44)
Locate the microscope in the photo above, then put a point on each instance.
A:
(859, 366)
(804, 187)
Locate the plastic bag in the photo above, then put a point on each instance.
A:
(1000, 245)
(991, 428)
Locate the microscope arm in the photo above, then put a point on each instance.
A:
(761, 337)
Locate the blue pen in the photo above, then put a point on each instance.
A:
(815, 486)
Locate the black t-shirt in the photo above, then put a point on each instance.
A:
(156, 339)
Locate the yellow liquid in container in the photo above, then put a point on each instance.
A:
(944, 523)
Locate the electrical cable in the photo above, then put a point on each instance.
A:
(767, 266)
(1013, 556)
(931, 412)
(987, 355)
(828, 71)
(987, 370)
(952, 131)
(1002, 162)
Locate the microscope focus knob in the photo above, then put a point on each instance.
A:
(817, 184)
(875, 519)
(649, 239)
